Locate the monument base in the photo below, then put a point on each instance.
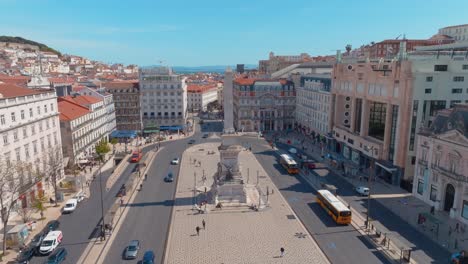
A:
(229, 131)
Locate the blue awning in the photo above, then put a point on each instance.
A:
(124, 134)
(172, 128)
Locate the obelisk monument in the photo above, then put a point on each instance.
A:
(228, 105)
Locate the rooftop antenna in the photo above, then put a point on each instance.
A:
(398, 36)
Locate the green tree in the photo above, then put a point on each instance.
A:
(39, 205)
(102, 148)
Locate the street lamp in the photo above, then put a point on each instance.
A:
(103, 234)
(369, 183)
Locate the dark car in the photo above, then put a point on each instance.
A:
(191, 141)
(169, 177)
(37, 240)
(52, 226)
(122, 191)
(148, 257)
(205, 136)
(58, 257)
(26, 255)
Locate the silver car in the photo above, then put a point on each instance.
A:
(131, 251)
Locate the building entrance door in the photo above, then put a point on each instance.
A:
(449, 197)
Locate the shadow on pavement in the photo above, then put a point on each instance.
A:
(322, 215)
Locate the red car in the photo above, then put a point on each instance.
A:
(136, 156)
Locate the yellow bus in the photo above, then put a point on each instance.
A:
(289, 164)
(334, 207)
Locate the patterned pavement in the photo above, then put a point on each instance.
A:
(234, 236)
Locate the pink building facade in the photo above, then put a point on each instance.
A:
(370, 119)
(441, 172)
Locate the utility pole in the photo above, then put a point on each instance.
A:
(369, 195)
(257, 178)
(248, 175)
(194, 187)
(103, 234)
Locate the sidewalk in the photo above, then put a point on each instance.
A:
(395, 199)
(234, 235)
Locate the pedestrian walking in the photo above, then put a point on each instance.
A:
(204, 224)
(457, 226)
(198, 230)
(281, 252)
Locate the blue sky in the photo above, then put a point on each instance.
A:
(219, 32)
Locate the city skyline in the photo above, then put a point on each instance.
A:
(193, 34)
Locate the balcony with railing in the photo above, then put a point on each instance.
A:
(448, 173)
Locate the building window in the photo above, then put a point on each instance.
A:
(429, 79)
(440, 67)
(393, 131)
(427, 91)
(13, 117)
(453, 102)
(51, 107)
(465, 209)
(15, 135)
(377, 120)
(45, 108)
(465, 66)
(457, 90)
(30, 112)
(25, 132)
(433, 194)
(420, 186)
(458, 78)
(5, 139)
(2, 119)
(436, 106)
(22, 114)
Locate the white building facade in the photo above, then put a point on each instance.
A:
(29, 129)
(108, 100)
(440, 80)
(313, 104)
(83, 125)
(163, 97)
(199, 96)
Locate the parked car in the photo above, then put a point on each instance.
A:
(51, 242)
(192, 141)
(175, 161)
(70, 206)
(26, 255)
(52, 226)
(364, 191)
(292, 151)
(131, 251)
(205, 136)
(79, 197)
(37, 240)
(148, 257)
(169, 177)
(58, 257)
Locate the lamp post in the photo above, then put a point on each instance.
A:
(369, 185)
(103, 234)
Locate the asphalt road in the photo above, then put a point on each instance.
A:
(82, 225)
(149, 216)
(341, 244)
(424, 250)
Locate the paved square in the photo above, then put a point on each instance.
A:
(234, 236)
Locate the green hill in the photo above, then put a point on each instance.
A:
(20, 40)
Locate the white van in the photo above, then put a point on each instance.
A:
(50, 242)
(70, 206)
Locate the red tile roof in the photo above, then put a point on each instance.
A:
(121, 84)
(245, 81)
(8, 90)
(196, 88)
(83, 100)
(70, 110)
(16, 79)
